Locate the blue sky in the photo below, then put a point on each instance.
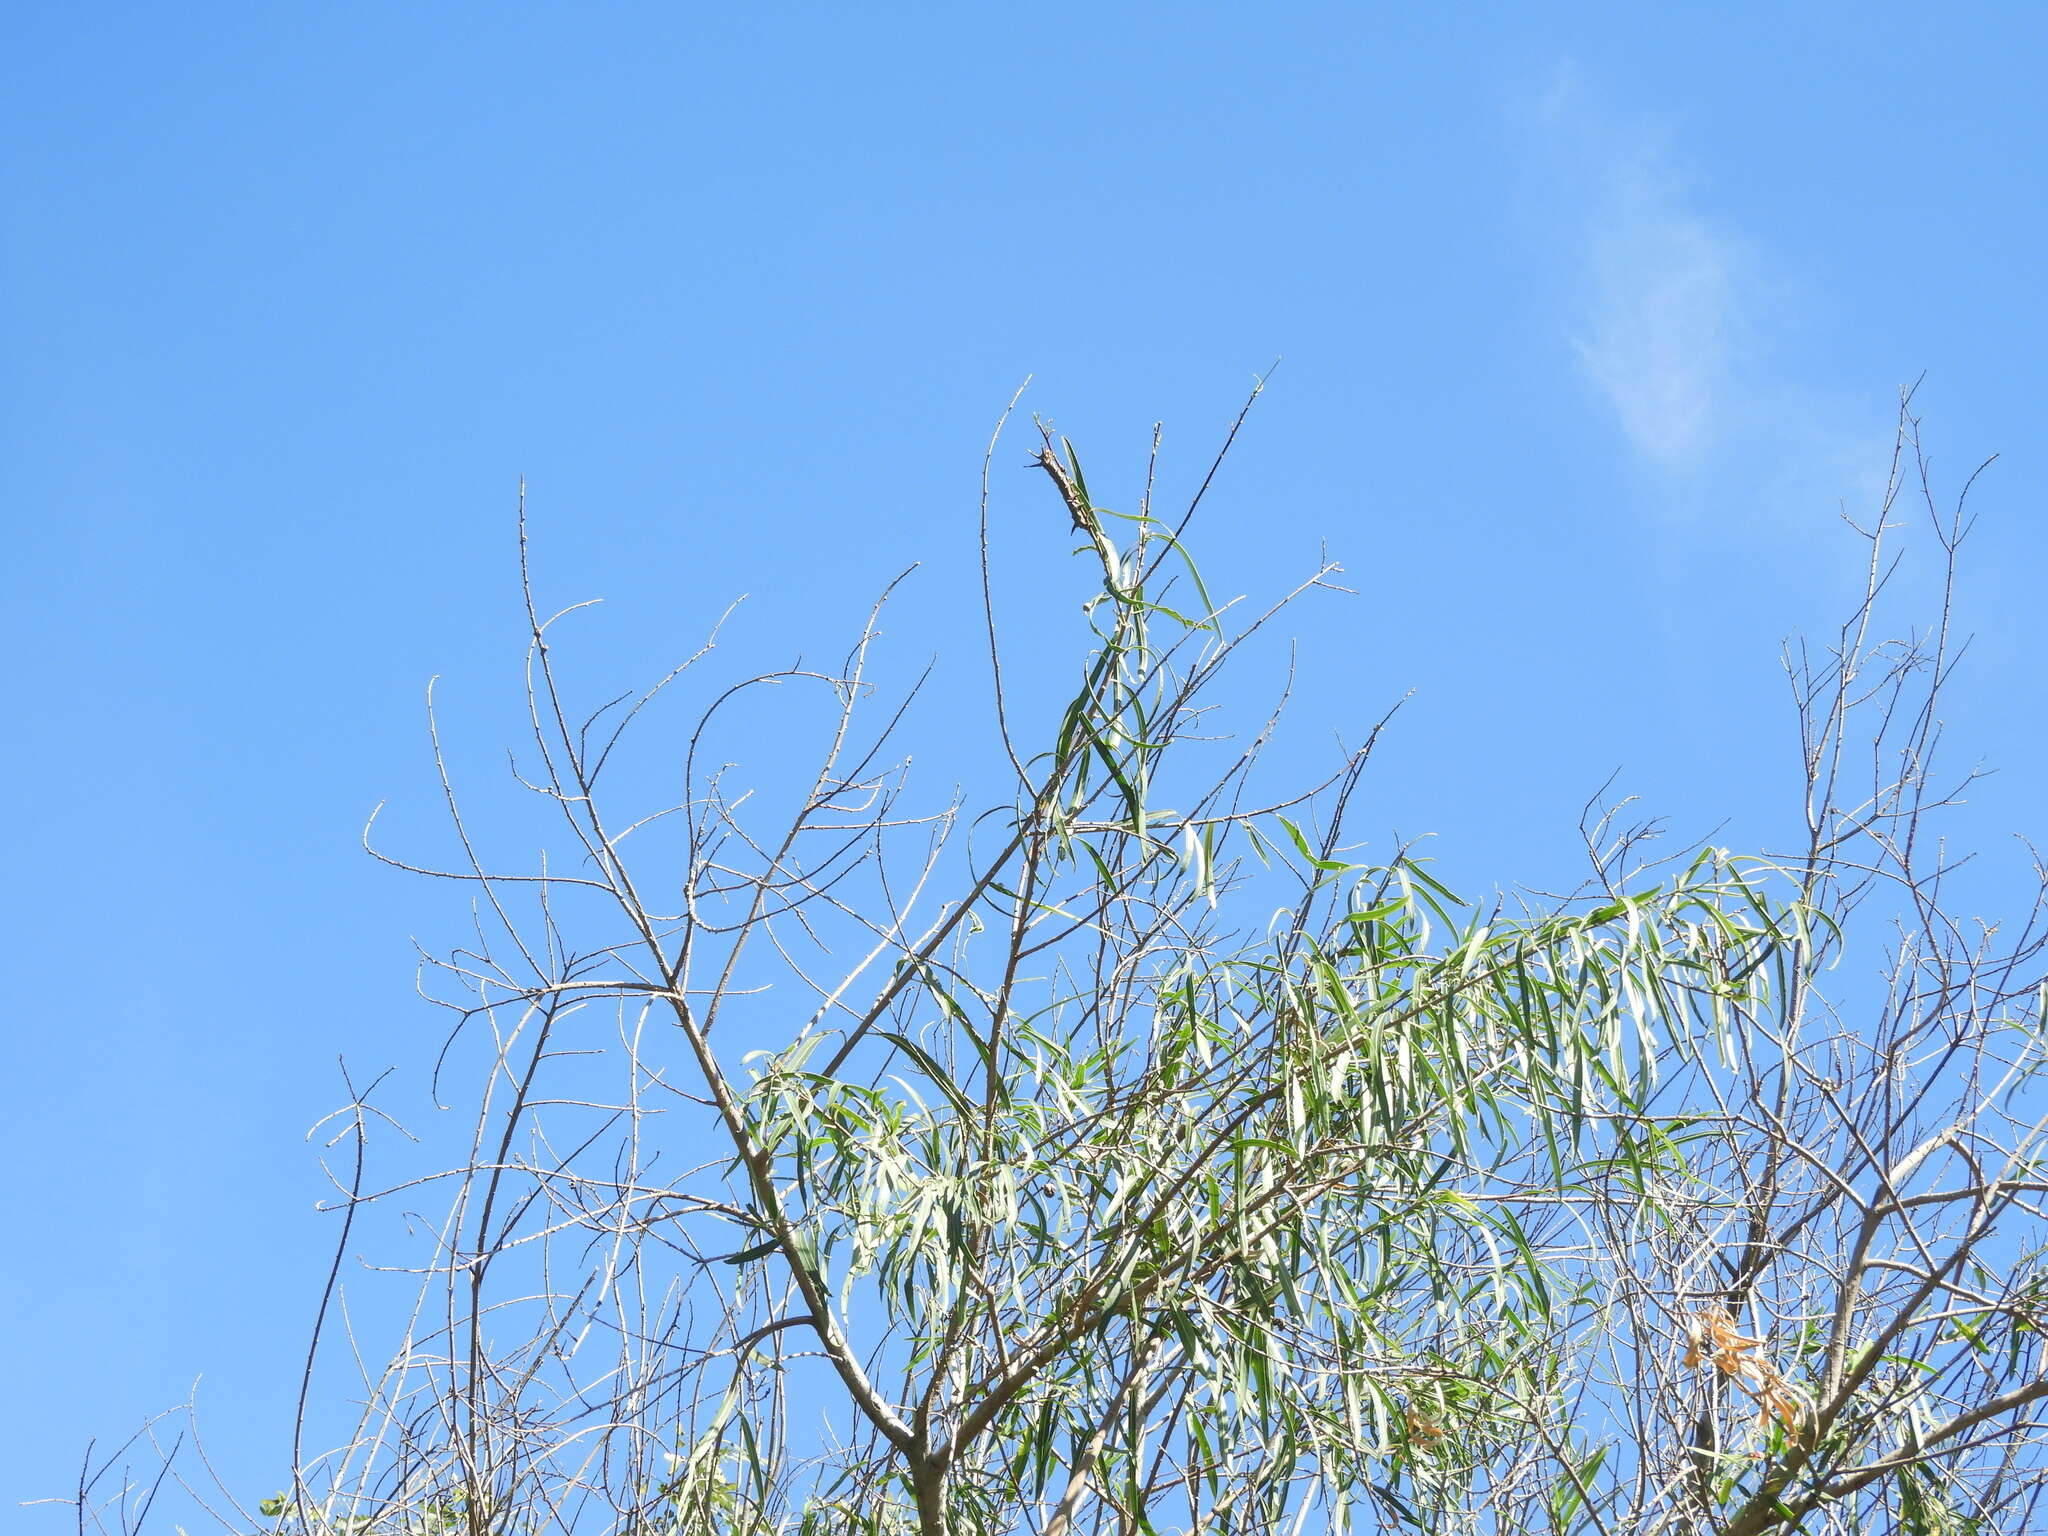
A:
(1592, 318)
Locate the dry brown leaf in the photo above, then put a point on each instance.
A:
(1713, 1339)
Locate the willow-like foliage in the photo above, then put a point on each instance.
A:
(1120, 1155)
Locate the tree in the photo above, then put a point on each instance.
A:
(1115, 1154)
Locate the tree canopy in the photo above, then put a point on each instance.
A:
(1113, 1149)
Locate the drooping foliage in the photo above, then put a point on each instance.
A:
(1122, 1152)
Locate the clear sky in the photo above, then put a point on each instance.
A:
(1592, 318)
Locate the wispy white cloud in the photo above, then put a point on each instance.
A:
(1665, 290)
(1688, 328)
(1660, 340)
